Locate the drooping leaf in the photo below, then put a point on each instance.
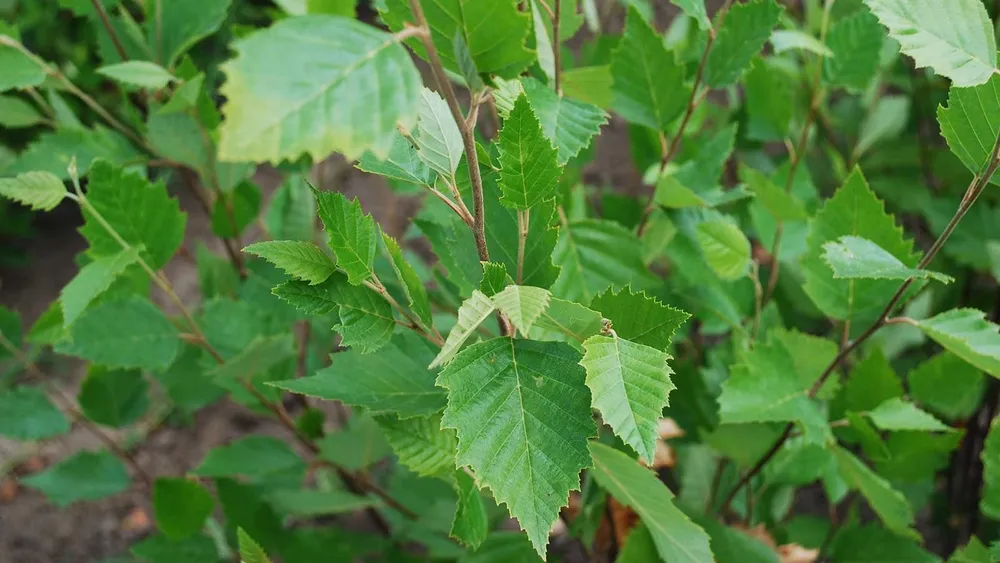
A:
(180, 506)
(725, 248)
(529, 169)
(890, 505)
(570, 124)
(250, 550)
(947, 385)
(677, 539)
(630, 384)
(84, 476)
(353, 234)
(853, 257)
(522, 413)
(957, 43)
(471, 524)
(970, 120)
(439, 142)
(594, 254)
(897, 414)
(396, 380)
(471, 314)
(40, 191)
(92, 280)
(129, 333)
(113, 398)
(649, 87)
(27, 414)
(142, 74)
(743, 33)
(855, 42)
(522, 304)
(421, 444)
(297, 258)
(638, 317)
(416, 293)
(351, 69)
(967, 334)
(182, 23)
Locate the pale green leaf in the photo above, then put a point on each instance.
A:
(250, 551)
(353, 234)
(529, 168)
(677, 539)
(113, 397)
(297, 258)
(853, 257)
(439, 142)
(897, 414)
(18, 70)
(403, 163)
(973, 552)
(890, 505)
(182, 23)
(967, 334)
(291, 214)
(725, 248)
(569, 318)
(783, 206)
(421, 444)
(695, 9)
(471, 314)
(696, 182)
(886, 121)
(16, 113)
(256, 457)
(522, 304)
(260, 355)
(640, 318)
(590, 84)
(305, 503)
(471, 524)
(970, 122)
(27, 414)
(40, 191)
(856, 44)
(522, 413)
(143, 74)
(792, 39)
(84, 476)
(396, 380)
(990, 501)
(743, 33)
(947, 385)
(416, 293)
(332, 70)
(595, 254)
(954, 39)
(630, 384)
(649, 87)
(570, 124)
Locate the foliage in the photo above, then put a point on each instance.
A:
(801, 293)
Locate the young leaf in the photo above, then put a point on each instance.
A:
(471, 314)
(641, 56)
(27, 414)
(299, 259)
(421, 444)
(967, 121)
(439, 142)
(250, 551)
(990, 502)
(396, 380)
(947, 385)
(856, 44)
(595, 254)
(40, 191)
(470, 525)
(522, 304)
(743, 33)
(638, 317)
(725, 247)
(529, 169)
(113, 398)
(353, 234)
(853, 257)
(677, 539)
(502, 398)
(352, 69)
(131, 333)
(890, 505)
(967, 334)
(495, 278)
(416, 293)
(143, 214)
(84, 476)
(630, 384)
(897, 414)
(570, 124)
(956, 42)
(92, 280)
(182, 23)
(180, 506)
(143, 74)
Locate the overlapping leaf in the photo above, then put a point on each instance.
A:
(570, 124)
(523, 305)
(353, 234)
(439, 142)
(853, 257)
(529, 169)
(890, 505)
(471, 314)
(421, 444)
(855, 42)
(638, 317)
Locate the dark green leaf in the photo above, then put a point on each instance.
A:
(84, 476)
(114, 397)
(180, 506)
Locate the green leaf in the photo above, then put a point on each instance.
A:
(590, 84)
(396, 380)
(595, 254)
(570, 124)
(782, 206)
(53, 152)
(677, 539)
(523, 305)
(143, 214)
(310, 299)
(640, 318)
(522, 413)
(160, 549)
(471, 314)
(130, 333)
(93, 280)
(416, 293)
(291, 214)
(630, 384)
(853, 257)
(235, 210)
(799, 463)
(403, 163)
(470, 525)
(886, 121)
(439, 142)
(853, 210)
(260, 355)
(792, 39)
(973, 552)
(989, 504)
(333, 69)
(180, 506)
(875, 544)
(529, 168)
(143, 74)
(495, 33)
(725, 247)
(649, 87)
(871, 383)
(19, 71)
(967, 334)
(255, 457)
(897, 414)
(572, 319)
(743, 33)
(299, 259)
(113, 398)
(27, 414)
(695, 9)
(947, 385)
(308, 503)
(890, 505)
(16, 113)
(40, 191)
(696, 182)
(638, 546)
(182, 23)
(421, 444)
(84, 476)
(366, 318)
(495, 278)
(250, 551)
(353, 234)
(956, 42)
(856, 43)
(967, 123)
(358, 447)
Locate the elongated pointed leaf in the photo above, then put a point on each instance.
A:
(93, 280)
(743, 33)
(333, 70)
(990, 502)
(439, 142)
(897, 414)
(353, 234)
(421, 444)
(298, 258)
(853, 257)
(471, 314)
(40, 191)
(954, 39)
(522, 304)
(416, 293)
(529, 169)
(522, 413)
(250, 550)
(630, 384)
(143, 74)
(967, 334)
(677, 539)
(890, 505)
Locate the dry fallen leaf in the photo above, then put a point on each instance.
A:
(8, 490)
(758, 532)
(623, 518)
(668, 429)
(136, 521)
(795, 553)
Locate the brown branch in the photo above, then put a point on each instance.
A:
(106, 22)
(556, 47)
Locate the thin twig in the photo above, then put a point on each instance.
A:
(523, 219)
(106, 22)
(556, 48)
